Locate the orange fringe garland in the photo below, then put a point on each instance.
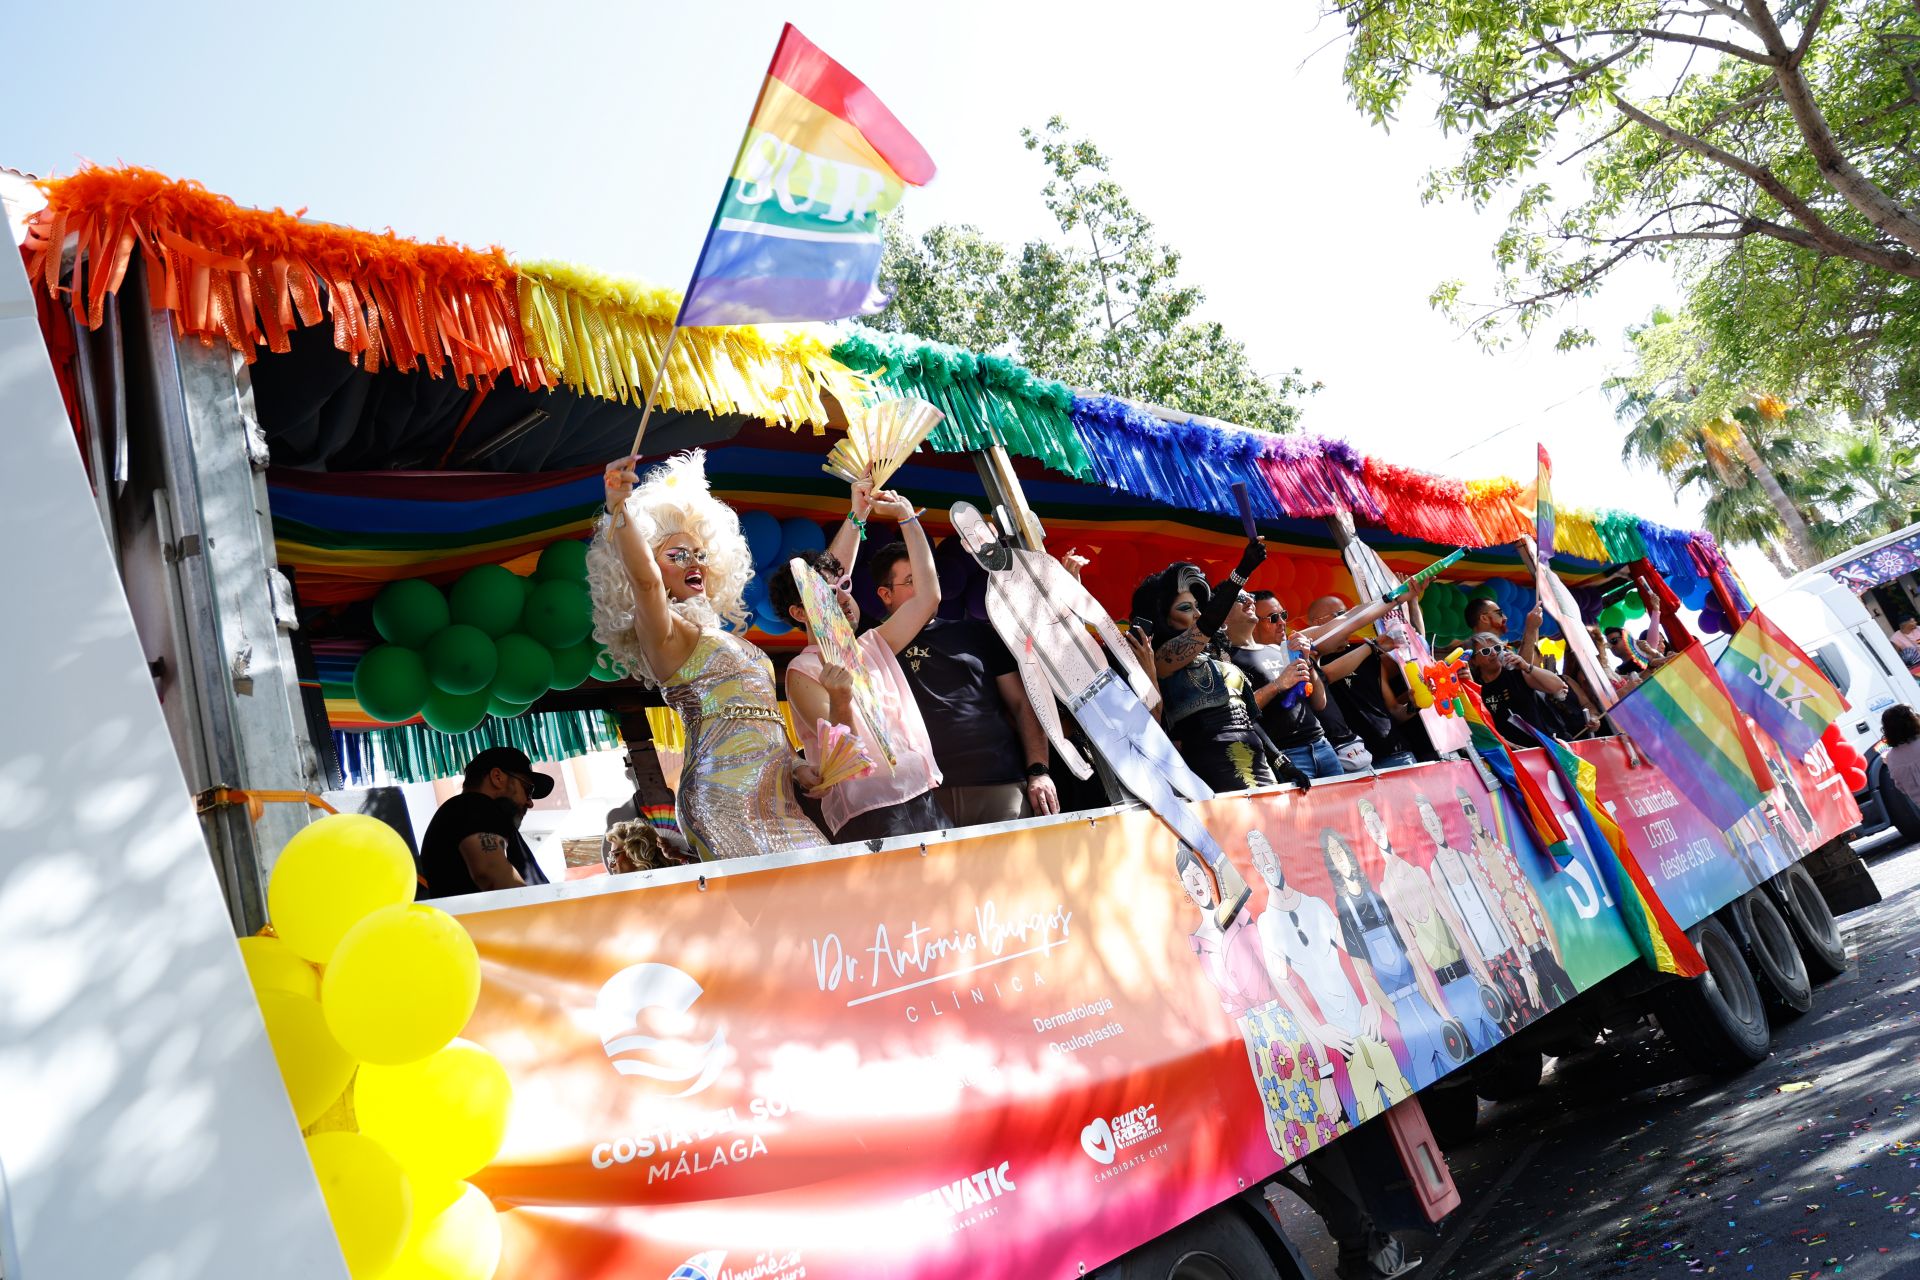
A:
(250, 276)
(1422, 505)
(1495, 506)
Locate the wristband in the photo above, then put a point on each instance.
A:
(1038, 771)
(859, 524)
(913, 519)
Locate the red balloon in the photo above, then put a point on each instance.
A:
(1278, 573)
(1856, 779)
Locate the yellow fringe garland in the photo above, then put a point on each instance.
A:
(603, 337)
(1575, 534)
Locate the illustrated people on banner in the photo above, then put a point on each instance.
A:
(1433, 1045)
(1297, 1097)
(1301, 935)
(667, 569)
(1449, 967)
(1521, 906)
(1462, 881)
(1789, 805)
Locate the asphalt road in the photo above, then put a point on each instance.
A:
(1624, 1164)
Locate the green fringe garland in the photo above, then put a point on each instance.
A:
(1619, 531)
(415, 753)
(988, 400)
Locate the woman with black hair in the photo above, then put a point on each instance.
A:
(1208, 708)
(1901, 727)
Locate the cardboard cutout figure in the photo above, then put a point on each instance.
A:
(1045, 617)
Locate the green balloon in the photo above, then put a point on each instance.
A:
(605, 668)
(506, 710)
(462, 659)
(488, 597)
(525, 670)
(572, 665)
(408, 613)
(1482, 592)
(1612, 616)
(455, 712)
(390, 683)
(1634, 606)
(559, 614)
(563, 561)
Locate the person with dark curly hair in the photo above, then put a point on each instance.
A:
(1901, 728)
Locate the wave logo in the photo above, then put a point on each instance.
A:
(701, 1266)
(671, 1060)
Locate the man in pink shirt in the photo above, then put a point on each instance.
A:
(885, 803)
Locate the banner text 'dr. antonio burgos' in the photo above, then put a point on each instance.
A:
(987, 958)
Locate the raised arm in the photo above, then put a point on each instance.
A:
(1336, 629)
(665, 637)
(1225, 592)
(846, 539)
(907, 621)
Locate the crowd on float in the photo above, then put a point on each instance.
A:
(1249, 696)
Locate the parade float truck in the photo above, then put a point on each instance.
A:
(1054, 1047)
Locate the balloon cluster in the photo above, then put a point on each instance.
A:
(493, 645)
(1851, 764)
(363, 991)
(773, 542)
(1444, 607)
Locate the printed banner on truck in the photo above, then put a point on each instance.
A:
(1026, 1051)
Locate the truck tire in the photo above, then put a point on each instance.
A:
(1814, 927)
(1217, 1245)
(1773, 953)
(1506, 1071)
(1717, 1021)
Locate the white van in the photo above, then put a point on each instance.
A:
(1837, 631)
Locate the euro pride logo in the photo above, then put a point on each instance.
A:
(1106, 1138)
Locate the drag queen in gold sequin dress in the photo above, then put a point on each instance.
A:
(667, 568)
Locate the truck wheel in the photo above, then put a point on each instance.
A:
(1767, 939)
(1716, 1021)
(1506, 1071)
(1217, 1245)
(1814, 927)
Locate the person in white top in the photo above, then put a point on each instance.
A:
(1902, 730)
(887, 802)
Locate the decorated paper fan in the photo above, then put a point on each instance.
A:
(881, 439)
(841, 756)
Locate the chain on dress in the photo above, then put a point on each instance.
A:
(736, 789)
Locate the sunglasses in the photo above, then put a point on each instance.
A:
(681, 557)
(1280, 616)
(1484, 652)
(845, 583)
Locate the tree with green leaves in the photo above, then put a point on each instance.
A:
(1871, 481)
(1773, 140)
(1102, 309)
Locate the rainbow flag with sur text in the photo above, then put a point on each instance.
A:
(1543, 519)
(1771, 679)
(1658, 936)
(797, 234)
(1681, 716)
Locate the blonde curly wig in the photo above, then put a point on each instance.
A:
(671, 498)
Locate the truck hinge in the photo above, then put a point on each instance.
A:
(188, 545)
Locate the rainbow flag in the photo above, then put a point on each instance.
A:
(797, 234)
(1498, 754)
(1682, 717)
(1658, 936)
(1543, 506)
(1771, 679)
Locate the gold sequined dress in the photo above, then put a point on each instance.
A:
(736, 788)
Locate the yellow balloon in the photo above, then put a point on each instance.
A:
(367, 1198)
(332, 874)
(444, 1116)
(313, 1066)
(401, 984)
(460, 1242)
(272, 965)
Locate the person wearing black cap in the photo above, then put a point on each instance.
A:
(473, 842)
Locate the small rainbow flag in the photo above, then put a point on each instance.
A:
(1498, 754)
(1769, 677)
(1683, 718)
(1661, 941)
(1543, 506)
(797, 234)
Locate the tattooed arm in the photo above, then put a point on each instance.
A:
(485, 853)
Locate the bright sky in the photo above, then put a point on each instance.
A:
(599, 134)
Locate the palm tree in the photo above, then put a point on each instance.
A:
(1872, 480)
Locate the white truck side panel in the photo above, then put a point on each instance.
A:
(144, 1133)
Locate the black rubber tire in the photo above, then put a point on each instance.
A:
(1453, 1113)
(1505, 1072)
(1814, 928)
(1717, 1021)
(1773, 953)
(1217, 1245)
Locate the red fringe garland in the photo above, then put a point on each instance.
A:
(251, 276)
(1422, 505)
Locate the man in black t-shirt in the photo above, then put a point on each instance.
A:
(473, 842)
(1373, 703)
(1290, 716)
(1515, 690)
(989, 745)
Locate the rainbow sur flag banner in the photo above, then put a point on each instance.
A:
(1543, 518)
(1684, 719)
(1770, 678)
(797, 233)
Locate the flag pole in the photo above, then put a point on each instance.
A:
(653, 392)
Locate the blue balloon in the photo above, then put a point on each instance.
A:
(768, 621)
(763, 537)
(799, 536)
(754, 594)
